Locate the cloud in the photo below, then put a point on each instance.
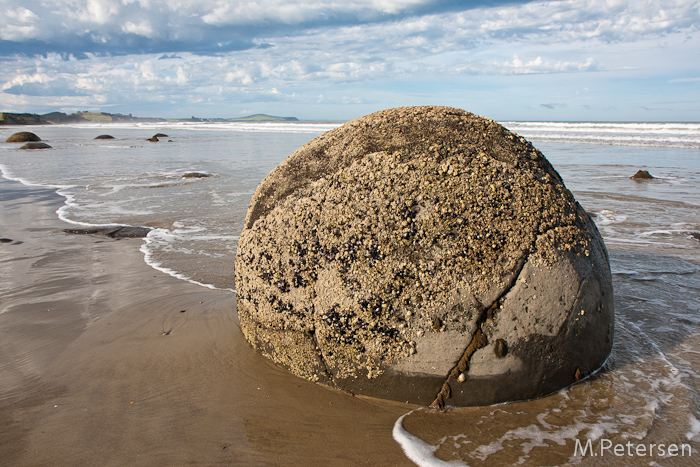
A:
(553, 106)
(41, 85)
(155, 51)
(538, 65)
(685, 80)
(211, 27)
(200, 26)
(142, 28)
(606, 20)
(20, 23)
(42, 89)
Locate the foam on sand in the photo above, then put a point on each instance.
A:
(418, 450)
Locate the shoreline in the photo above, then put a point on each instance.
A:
(6, 175)
(106, 361)
(87, 327)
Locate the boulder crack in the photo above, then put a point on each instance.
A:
(478, 340)
(322, 358)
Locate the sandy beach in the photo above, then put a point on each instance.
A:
(105, 361)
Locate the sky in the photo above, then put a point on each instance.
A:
(569, 60)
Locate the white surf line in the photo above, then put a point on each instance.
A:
(694, 428)
(420, 452)
(675, 378)
(7, 174)
(60, 212)
(148, 258)
(423, 454)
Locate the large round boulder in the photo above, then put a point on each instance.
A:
(424, 254)
(23, 137)
(35, 145)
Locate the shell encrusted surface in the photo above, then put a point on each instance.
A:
(424, 254)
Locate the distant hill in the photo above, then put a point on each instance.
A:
(8, 118)
(19, 119)
(263, 118)
(250, 118)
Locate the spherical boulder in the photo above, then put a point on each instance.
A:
(424, 254)
(35, 145)
(23, 137)
(642, 175)
(104, 137)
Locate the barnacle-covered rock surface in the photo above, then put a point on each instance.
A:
(424, 254)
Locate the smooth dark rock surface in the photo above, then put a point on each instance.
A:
(424, 254)
(35, 146)
(642, 175)
(104, 137)
(23, 137)
(126, 231)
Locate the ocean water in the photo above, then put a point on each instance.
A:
(129, 180)
(648, 394)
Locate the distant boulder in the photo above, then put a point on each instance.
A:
(23, 137)
(35, 146)
(155, 137)
(195, 175)
(642, 175)
(104, 137)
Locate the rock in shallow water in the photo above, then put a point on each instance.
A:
(642, 175)
(22, 137)
(424, 254)
(35, 145)
(117, 231)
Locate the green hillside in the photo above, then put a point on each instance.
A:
(8, 118)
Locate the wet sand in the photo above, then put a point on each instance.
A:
(105, 361)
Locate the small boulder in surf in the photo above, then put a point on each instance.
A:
(642, 175)
(35, 145)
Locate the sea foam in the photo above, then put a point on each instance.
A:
(418, 450)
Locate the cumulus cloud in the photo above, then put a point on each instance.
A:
(204, 26)
(685, 80)
(54, 88)
(142, 28)
(169, 50)
(539, 65)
